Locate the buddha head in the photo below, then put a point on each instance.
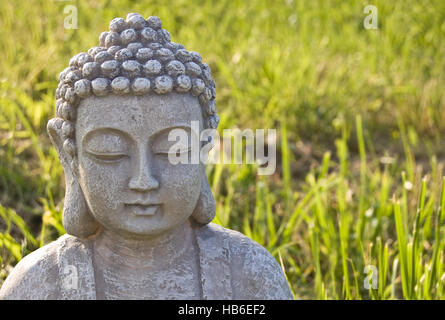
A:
(116, 105)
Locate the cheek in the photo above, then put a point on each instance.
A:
(103, 182)
(181, 183)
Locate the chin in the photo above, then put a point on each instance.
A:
(147, 227)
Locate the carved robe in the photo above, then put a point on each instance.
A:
(232, 266)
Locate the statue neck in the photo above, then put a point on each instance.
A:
(135, 251)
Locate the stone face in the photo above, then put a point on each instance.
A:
(139, 224)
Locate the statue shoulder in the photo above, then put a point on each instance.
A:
(34, 277)
(255, 272)
(37, 275)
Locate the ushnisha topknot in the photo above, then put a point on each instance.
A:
(135, 57)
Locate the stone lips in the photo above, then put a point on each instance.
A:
(136, 57)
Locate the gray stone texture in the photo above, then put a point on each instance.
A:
(139, 226)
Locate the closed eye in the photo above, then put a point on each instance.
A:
(174, 151)
(172, 141)
(107, 157)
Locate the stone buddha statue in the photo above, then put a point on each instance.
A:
(139, 226)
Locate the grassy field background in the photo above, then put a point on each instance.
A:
(359, 114)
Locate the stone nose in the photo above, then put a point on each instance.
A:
(143, 179)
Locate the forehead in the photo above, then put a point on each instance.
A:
(137, 115)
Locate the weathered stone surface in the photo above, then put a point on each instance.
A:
(138, 225)
(231, 267)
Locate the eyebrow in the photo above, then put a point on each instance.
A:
(178, 126)
(94, 131)
(98, 130)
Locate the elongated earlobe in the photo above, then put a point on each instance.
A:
(76, 219)
(205, 208)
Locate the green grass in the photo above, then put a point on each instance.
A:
(359, 115)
